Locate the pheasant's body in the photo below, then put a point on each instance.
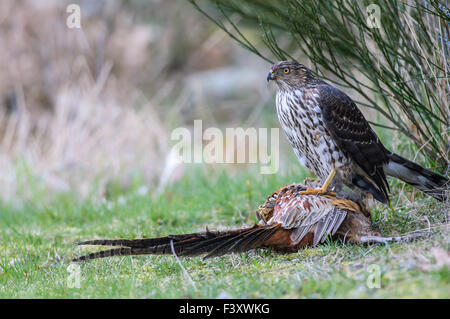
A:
(288, 221)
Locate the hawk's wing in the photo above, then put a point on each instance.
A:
(353, 134)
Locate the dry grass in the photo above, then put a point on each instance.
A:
(74, 114)
(80, 109)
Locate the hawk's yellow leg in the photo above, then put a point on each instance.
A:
(322, 190)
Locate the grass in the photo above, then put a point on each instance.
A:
(36, 244)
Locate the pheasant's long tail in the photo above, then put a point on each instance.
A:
(210, 243)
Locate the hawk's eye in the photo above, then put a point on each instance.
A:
(286, 70)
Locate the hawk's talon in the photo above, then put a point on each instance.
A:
(316, 191)
(322, 190)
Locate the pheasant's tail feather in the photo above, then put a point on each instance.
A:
(148, 242)
(250, 239)
(210, 243)
(105, 253)
(421, 178)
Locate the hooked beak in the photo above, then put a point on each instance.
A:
(270, 76)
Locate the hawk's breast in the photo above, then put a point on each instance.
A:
(300, 117)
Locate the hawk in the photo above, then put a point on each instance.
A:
(289, 220)
(331, 137)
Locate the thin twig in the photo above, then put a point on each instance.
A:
(181, 265)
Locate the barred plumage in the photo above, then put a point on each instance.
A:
(302, 123)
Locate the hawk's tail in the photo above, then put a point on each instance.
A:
(210, 243)
(415, 175)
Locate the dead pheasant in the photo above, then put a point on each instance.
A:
(288, 221)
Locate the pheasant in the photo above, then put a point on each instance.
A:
(288, 221)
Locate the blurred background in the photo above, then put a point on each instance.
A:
(82, 109)
(90, 110)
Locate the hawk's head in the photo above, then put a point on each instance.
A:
(289, 74)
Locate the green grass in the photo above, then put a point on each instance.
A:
(36, 244)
